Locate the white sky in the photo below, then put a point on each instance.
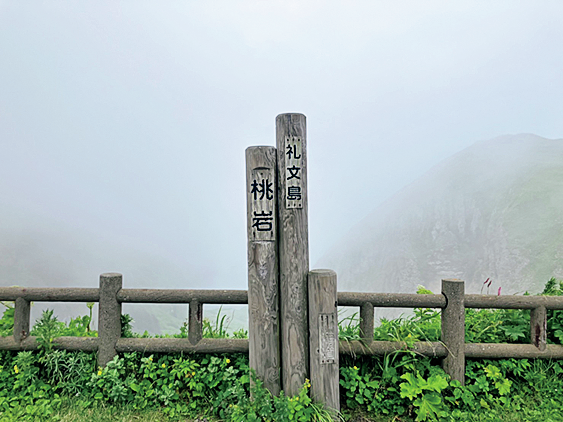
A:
(128, 120)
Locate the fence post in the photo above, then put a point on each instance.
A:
(538, 327)
(21, 319)
(453, 328)
(109, 316)
(293, 242)
(263, 287)
(195, 322)
(323, 337)
(367, 321)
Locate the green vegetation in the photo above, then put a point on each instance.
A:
(54, 384)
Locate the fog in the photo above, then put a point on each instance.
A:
(123, 125)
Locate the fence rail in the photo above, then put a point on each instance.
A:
(452, 303)
(110, 295)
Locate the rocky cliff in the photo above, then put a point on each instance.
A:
(494, 210)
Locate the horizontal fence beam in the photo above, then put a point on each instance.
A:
(513, 302)
(86, 344)
(219, 297)
(516, 351)
(240, 297)
(379, 348)
(177, 345)
(50, 294)
(354, 347)
(391, 300)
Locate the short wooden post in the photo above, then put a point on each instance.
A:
(21, 319)
(109, 317)
(263, 287)
(323, 337)
(367, 321)
(538, 327)
(195, 322)
(453, 328)
(293, 242)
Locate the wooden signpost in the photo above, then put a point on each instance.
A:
(293, 241)
(263, 288)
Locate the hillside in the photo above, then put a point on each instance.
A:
(492, 210)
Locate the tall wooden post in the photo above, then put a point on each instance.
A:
(109, 316)
(263, 288)
(291, 141)
(453, 328)
(323, 326)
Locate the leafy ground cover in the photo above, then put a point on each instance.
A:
(54, 384)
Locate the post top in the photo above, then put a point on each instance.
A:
(111, 275)
(252, 147)
(322, 272)
(282, 115)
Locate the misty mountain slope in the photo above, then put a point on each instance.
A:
(491, 210)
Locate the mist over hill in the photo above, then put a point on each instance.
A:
(492, 210)
(37, 252)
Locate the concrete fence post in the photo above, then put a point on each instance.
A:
(109, 317)
(453, 328)
(21, 319)
(323, 338)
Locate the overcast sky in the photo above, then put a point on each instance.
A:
(128, 121)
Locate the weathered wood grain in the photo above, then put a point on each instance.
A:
(381, 348)
(195, 322)
(21, 319)
(453, 329)
(222, 297)
(391, 300)
(109, 317)
(538, 327)
(513, 302)
(367, 323)
(323, 338)
(87, 344)
(178, 345)
(50, 294)
(293, 243)
(515, 351)
(263, 287)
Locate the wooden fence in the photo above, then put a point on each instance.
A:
(110, 295)
(323, 324)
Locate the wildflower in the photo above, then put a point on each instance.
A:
(228, 360)
(99, 372)
(193, 374)
(297, 398)
(164, 365)
(356, 368)
(16, 370)
(150, 358)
